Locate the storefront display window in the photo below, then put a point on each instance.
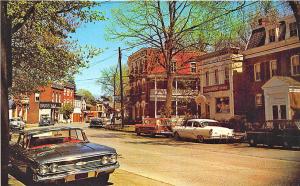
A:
(222, 105)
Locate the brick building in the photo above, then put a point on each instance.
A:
(148, 84)
(272, 70)
(222, 89)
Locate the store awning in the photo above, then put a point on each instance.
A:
(294, 100)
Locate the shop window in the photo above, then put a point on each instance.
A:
(37, 97)
(272, 35)
(207, 78)
(295, 65)
(193, 67)
(258, 100)
(257, 72)
(293, 29)
(273, 68)
(222, 105)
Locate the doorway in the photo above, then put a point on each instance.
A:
(279, 112)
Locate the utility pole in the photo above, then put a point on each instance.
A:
(121, 88)
(114, 91)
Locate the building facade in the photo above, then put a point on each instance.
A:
(148, 84)
(222, 90)
(272, 70)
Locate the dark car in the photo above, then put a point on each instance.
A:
(96, 122)
(61, 154)
(46, 121)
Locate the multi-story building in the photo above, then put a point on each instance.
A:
(148, 84)
(46, 102)
(79, 107)
(222, 89)
(272, 70)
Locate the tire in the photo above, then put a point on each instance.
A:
(103, 179)
(286, 144)
(152, 135)
(200, 139)
(138, 133)
(177, 137)
(252, 142)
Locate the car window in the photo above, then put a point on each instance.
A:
(210, 123)
(189, 123)
(196, 124)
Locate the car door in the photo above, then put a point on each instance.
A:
(187, 130)
(196, 130)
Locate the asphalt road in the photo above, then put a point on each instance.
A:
(187, 163)
(164, 161)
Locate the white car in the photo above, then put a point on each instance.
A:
(201, 130)
(16, 124)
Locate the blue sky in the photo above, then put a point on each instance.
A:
(93, 34)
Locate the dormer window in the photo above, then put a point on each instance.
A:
(282, 31)
(293, 29)
(272, 35)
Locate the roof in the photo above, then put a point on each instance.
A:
(257, 38)
(276, 81)
(38, 130)
(227, 50)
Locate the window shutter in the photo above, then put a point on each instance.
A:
(267, 70)
(278, 70)
(251, 72)
(263, 71)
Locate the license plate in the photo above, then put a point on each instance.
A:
(74, 177)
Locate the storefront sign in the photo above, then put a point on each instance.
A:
(49, 105)
(216, 88)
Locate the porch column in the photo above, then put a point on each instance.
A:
(155, 101)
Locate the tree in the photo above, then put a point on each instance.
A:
(90, 99)
(172, 27)
(110, 77)
(67, 110)
(42, 51)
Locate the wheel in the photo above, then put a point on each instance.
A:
(286, 144)
(200, 139)
(177, 137)
(103, 179)
(252, 142)
(152, 135)
(138, 133)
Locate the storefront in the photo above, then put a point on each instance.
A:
(49, 109)
(282, 98)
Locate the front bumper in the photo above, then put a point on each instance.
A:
(66, 176)
(222, 137)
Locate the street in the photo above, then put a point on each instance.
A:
(165, 160)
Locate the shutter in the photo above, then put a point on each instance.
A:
(251, 72)
(263, 71)
(268, 68)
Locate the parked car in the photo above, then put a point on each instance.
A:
(46, 121)
(154, 126)
(284, 133)
(16, 124)
(96, 122)
(201, 130)
(61, 154)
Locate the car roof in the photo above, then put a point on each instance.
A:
(203, 120)
(38, 130)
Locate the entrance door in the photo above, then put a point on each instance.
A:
(279, 112)
(207, 111)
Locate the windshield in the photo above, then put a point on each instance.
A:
(56, 137)
(210, 123)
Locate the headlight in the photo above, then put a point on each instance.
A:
(43, 169)
(113, 158)
(53, 167)
(104, 160)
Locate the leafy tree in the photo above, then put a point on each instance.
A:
(90, 99)
(172, 27)
(67, 110)
(110, 77)
(42, 50)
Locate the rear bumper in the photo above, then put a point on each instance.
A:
(64, 176)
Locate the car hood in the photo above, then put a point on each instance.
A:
(63, 152)
(219, 129)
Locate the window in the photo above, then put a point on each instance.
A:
(173, 66)
(207, 78)
(56, 98)
(295, 65)
(216, 77)
(59, 98)
(222, 105)
(273, 68)
(52, 96)
(282, 31)
(68, 93)
(258, 100)
(226, 74)
(257, 74)
(65, 91)
(272, 35)
(37, 97)
(196, 124)
(189, 123)
(193, 67)
(293, 29)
